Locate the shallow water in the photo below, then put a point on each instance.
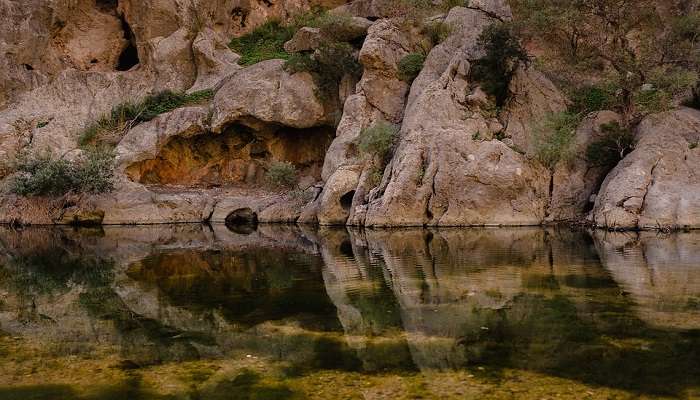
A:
(202, 312)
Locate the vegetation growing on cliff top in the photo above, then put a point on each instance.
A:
(45, 174)
(110, 128)
(649, 54)
(265, 42)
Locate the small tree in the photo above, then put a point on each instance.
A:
(554, 138)
(503, 55)
(614, 144)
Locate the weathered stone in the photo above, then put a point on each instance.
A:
(215, 61)
(445, 170)
(532, 98)
(574, 182)
(265, 92)
(657, 184)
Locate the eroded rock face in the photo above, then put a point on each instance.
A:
(656, 185)
(532, 98)
(447, 170)
(574, 182)
(265, 93)
(40, 39)
(380, 97)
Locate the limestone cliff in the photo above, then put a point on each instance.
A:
(458, 158)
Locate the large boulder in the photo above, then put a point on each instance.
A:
(265, 93)
(448, 169)
(657, 184)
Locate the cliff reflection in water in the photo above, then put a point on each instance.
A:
(608, 309)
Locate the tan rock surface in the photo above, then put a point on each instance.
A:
(657, 184)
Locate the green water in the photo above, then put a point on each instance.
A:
(283, 312)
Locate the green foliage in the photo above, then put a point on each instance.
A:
(437, 32)
(410, 66)
(378, 139)
(328, 65)
(652, 101)
(590, 98)
(693, 145)
(45, 175)
(265, 42)
(281, 174)
(614, 143)
(109, 128)
(96, 173)
(503, 55)
(554, 138)
(301, 62)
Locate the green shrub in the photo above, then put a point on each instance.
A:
(588, 99)
(503, 54)
(614, 143)
(281, 174)
(378, 139)
(44, 175)
(437, 32)
(554, 138)
(328, 65)
(96, 173)
(265, 42)
(110, 128)
(301, 62)
(410, 66)
(652, 101)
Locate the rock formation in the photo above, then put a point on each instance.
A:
(457, 160)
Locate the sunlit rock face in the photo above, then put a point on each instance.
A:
(660, 273)
(657, 184)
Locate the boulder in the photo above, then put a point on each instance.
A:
(305, 39)
(214, 60)
(657, 184)
(447, 169)
(380, 97)
(265, 93)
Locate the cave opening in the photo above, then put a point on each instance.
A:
(346, 200)
(237, 157)
(129, 57)
(243, 221)
(107, 5)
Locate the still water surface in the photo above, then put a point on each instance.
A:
(281, 312)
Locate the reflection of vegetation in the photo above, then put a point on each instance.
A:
(247, 287)
(549, 335)
(249, 385)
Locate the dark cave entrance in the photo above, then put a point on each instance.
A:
(129, 58)
(346, 200)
